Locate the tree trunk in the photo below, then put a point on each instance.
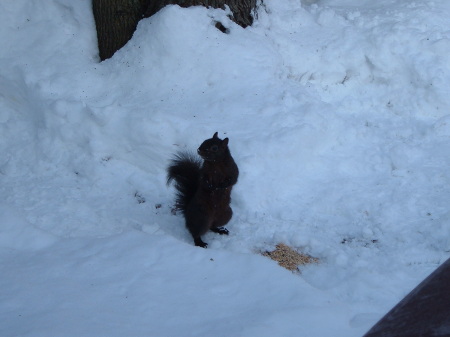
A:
(116, 20)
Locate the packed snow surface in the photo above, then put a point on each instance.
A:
(338, 115)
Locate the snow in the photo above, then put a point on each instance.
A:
(338, 117)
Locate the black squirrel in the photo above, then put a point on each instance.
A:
(204, 187)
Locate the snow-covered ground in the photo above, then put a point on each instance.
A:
(338, 114)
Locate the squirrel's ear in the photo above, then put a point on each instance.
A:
(225, 141)
(215, 135)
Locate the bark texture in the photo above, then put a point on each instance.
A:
(116, 21)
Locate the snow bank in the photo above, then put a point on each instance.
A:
(142, 285)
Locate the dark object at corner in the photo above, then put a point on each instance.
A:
(424, 312)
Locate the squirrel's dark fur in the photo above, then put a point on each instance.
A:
(204, 187)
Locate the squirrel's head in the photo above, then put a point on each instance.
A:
(214, 148)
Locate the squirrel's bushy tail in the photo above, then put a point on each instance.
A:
(184, 169)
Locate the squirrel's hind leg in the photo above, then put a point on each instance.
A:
(198, 224)
(221, 220)
(220, 230)
(200, 243)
